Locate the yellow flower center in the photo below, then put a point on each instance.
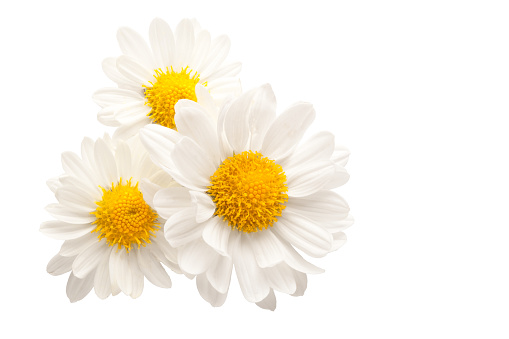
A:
(249, 191)
(169, 87)
(124, 218)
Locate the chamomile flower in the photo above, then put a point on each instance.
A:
(251, 195)
(105, 213)
(152, 79)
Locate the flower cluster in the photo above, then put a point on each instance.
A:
(198, 177)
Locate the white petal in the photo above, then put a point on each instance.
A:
(225, 71)
(109, 66)
(301, 279)
(133, 45)
(339, 178)
(78, 289)
(54, 184)
(236, 124)
(137, 276)
(162, 43)
(169, 201)
(76, 199)
(219, 49)
(130, 129)
(74, 166)
(94, 192)
(123, 272)
(88, 260)
(267, 248)
(318, 147)
(262, 114)
(123, 160)
(301, 232)
(192, 162)
(64, 231)
(108, 167)
(323, 206)
(192, 121)
(252, 280)
(208, 292)
(216, 234)
(287, 130)
(340, 155)
(152, 269)
(62, 213)
(269, 303)
(134, 71)
(281, 278)
(159, 142)
(205, 207)
(204, 99)
(219, 274)
(102, 282)
(201, 50)
(59, 265)
(132, 112)
(309, 178)
(339, 239)
(113, 271)
(116, 96)
(184, 42)
(295, 261)
(71, 248)
(182, 228)
(196, 257)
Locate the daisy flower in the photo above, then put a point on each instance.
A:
(151, 80)
(105, 214)
(252, 194)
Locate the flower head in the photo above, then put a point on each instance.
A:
(251, 194)
(151, 80)
(105, 214)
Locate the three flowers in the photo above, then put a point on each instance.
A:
(198, 177)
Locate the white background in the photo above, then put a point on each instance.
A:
(417, 90)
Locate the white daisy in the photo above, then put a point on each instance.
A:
(251, 195)
(113, 236)
(185, 65)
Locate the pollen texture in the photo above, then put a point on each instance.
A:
(168, 88)
(124, 218)
(249, 191)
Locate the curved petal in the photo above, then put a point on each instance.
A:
(205, 207)
(162, 43)
(219, 274)
(71, 248)
(181, 228)
(65, 215)
(319, 147)
(287, 130)
(252, 280)
(219, 49)
(192, 163)
(134, 71)
(108, 167)
(269, 303)
(196, 257)
(267, 248)
(208, 292)
(309, 178)
(59, 265)
(323, 206)
(169, 201)
(64, 231)
(301, 232)
(137, 276)
(152, 269)
(77, 288)
(88, 260)
(184, 41)
(216, 234)
(102, 282)
(133, 45)
(261, 115)
(281, 278)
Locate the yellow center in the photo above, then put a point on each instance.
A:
(249, 191)
(124, 218)
(169, 88)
